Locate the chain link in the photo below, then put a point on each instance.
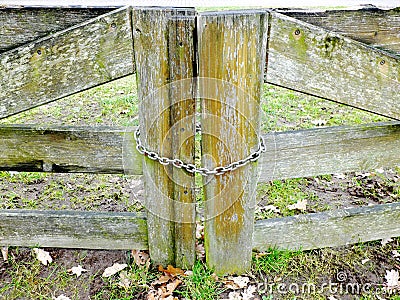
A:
(191, 168)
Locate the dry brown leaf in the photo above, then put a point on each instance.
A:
(392, 279)
(43, 256)
(151, 296)
(124, 280)
(234, 296)
(141, 258)
(200, 251)
(163, 279)
(61, 297)
(4, 253)
(386, 241)
(170, 270)
(238, 282)
(199, 231)
(300, 205)
(395, 253)
(364, 261)
(272, 208)
(248, 293)
(173, 285)
(319, 122)
(77, 270)
(339, 176)
(114, 269)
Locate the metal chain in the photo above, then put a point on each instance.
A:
(191, 168)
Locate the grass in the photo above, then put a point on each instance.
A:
(117, 104)
(201, 284)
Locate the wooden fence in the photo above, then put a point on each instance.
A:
(350, 57)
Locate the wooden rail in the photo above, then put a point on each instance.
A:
(66, 62)
(299, 153)
(167, 47)
(108, 230)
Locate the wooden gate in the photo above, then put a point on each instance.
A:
(221, 58)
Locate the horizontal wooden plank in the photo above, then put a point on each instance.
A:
(68, 149)
(108, 230)
(66, 62)
(73, 229)
(330, 150)
(22, 25)
(289, 154)
(329, 229)
(312, 60)
(373, 26)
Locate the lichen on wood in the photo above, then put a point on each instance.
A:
(66, 62)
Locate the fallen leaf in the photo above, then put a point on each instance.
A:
(170, 270)
(386, 241)
(199, 231)
(331, 298)
(234, 296)
(151, 296)
(77, 270)
(173, 285)
(300, 205)
(248, 293)
(140, 257)
(124, 280)
(392, 279)
(364, 261)
(189, 273)
(4, 253)
(272, 208)
(43, 256)
(163, 279)
(318, 122)
(339, 176)
(395, 253)
(114, 269)
(236, 283)
(200, 251)
(61, 297)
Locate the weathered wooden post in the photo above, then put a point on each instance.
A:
(232, 51)
(164, 55)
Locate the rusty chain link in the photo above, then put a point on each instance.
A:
(191, 168)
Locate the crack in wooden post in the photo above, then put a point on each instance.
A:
(164, 56)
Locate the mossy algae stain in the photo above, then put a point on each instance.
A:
(329, 45)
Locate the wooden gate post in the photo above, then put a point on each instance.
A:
(232, 51)
(164, 54)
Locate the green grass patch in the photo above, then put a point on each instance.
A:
(201, 284)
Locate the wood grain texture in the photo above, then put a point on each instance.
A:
(73, 229)
(156, 50)
(289, 154)
(312, 60)
(329, 229)
(107, 230)
(66, 149)
(22, 25)
(66, 62)
(232, 50)
(375, 27)
(183, 119)
(331, 150)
